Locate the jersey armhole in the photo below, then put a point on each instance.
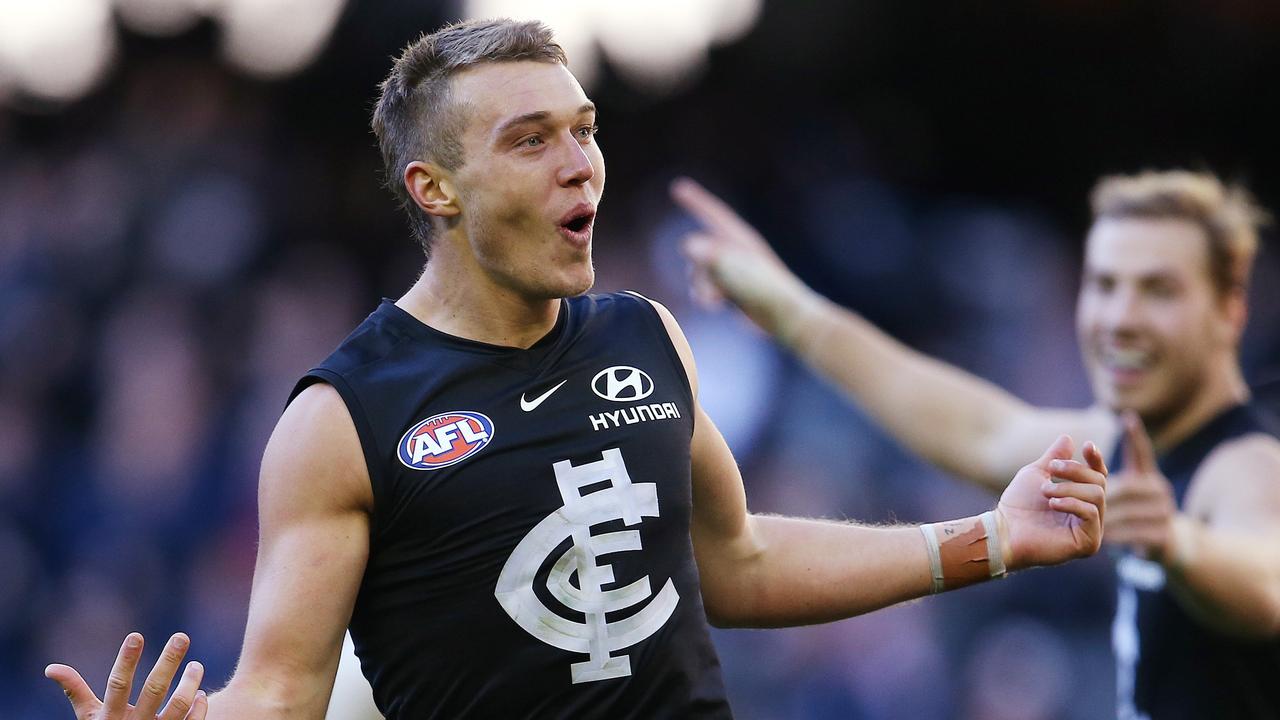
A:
(364, 430)
(656, 321)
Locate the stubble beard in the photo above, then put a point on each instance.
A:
(526, 277)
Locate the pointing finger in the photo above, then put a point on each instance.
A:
(83, 701)
(1138, 452)
(699, 248)
(706, 207)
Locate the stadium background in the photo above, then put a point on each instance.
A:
(180, 239)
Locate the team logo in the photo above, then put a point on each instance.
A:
(445, 439)
(578, 577)
(622, 383)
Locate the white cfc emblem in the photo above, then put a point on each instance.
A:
(596, 637)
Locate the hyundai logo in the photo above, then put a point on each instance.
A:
(622, 383)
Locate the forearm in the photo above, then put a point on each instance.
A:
(950, 417)
(1229, 581)
(803, 572)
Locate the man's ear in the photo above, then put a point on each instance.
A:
(1235, 313)
(429, 186)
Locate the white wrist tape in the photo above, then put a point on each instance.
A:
(968, 551)
(935, 557)
(995, 553)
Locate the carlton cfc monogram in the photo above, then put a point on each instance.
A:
(595, 636)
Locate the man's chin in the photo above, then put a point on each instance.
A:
(1151, 411)
(579, 283)
(1120, 400)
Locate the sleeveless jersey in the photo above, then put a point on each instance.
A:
(530, 553)
(1169, 666)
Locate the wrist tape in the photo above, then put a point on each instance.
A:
(964, 552)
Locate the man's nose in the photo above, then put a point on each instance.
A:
(1123, 308)
(576, 168)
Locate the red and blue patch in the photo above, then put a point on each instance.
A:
(445, 439)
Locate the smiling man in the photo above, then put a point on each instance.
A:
(507, 489)
(1197, 503)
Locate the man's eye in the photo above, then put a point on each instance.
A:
(585, 132)
(531, 141)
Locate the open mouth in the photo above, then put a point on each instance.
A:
(576, 224)
(1127, 359)
(1125, 366)
(579, 223)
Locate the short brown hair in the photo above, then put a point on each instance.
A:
(1228, 214)
(415, 118)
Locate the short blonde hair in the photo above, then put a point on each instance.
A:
(1228, 214)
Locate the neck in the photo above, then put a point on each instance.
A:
(1221, 390)
(453, 301)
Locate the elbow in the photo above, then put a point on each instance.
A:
(732, 600)
(718, 620)
(720, 612)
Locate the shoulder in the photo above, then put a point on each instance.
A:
(1241, 475)
(673, 330)
(315, 451)
(1252, 455)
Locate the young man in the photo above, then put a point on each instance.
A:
(502, 485)
(1160, 316)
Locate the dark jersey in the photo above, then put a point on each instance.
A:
(1170, 666)
(530, 553)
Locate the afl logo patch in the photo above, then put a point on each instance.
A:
(445, 439)
(622, 383)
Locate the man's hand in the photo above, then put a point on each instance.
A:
(1144, 515)
(1053, 508)
(188, 701)
(732, 261)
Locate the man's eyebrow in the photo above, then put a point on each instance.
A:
(533, 117)
(537, 117)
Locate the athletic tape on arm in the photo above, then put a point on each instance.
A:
(964, 552)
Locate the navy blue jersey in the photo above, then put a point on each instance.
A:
(1171, 667)
(530, 553)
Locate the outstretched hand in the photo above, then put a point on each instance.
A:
(188, 701)
(731, 261)
(1052, 511)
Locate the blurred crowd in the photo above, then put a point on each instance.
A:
(175, 252)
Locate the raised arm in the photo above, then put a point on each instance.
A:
(1222, 553)
(314, 502)
(953, 419)
(764, 571)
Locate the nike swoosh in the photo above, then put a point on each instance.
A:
(529, 405)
